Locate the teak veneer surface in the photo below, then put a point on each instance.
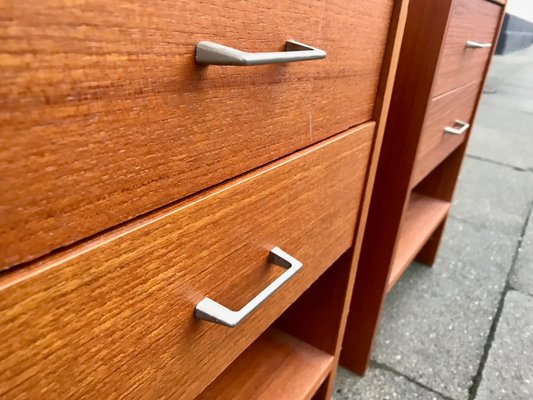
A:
(114, 317)
(423, 215)
(276, 366)
(104, 114)
(435, 144)
(475, 20)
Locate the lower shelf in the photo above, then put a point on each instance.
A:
(276, 366)
(423, 215)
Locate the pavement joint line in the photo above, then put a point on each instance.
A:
(468, 222)
(385, 367)
(502, 164)
(476, 380)
(529, 220)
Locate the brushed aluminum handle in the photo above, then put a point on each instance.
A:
(472, 44)
(210, 310)
(457, 131)
(218, 54)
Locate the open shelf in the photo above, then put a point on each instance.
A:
(276, 366)
(422, 216)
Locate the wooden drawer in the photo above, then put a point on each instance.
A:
(114, 316)
(474, 20)
(435, 144)
(105, 116)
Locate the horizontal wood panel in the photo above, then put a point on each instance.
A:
(275, 366)
(476, 20)
(114, 317)
(105, 116)
(422, 216)
(434, 144)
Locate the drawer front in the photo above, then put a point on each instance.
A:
(105, 115)
(471, 20)
(435, 143)
(114, 317)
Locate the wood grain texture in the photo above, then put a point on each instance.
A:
(104, 115)
(114, 317)
(412, 88)
(435, 144)
(275, 366)
(422, 217)
(476, 20)
(355, 34)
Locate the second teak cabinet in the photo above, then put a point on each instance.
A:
(443, 64)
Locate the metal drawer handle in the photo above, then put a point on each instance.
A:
(210, 310)
(472, 44)
(454, 131)
(218, 54)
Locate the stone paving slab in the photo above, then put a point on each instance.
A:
(512, 68)
(494, 139)
(378, 384)
(493, 197)
(436, 320)
(508, 373)
(522, 275)
(523, 77)
(509, 96)
(515, 68)
(503, 129)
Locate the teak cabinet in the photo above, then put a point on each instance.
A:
(443, 64)
(164, 165)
